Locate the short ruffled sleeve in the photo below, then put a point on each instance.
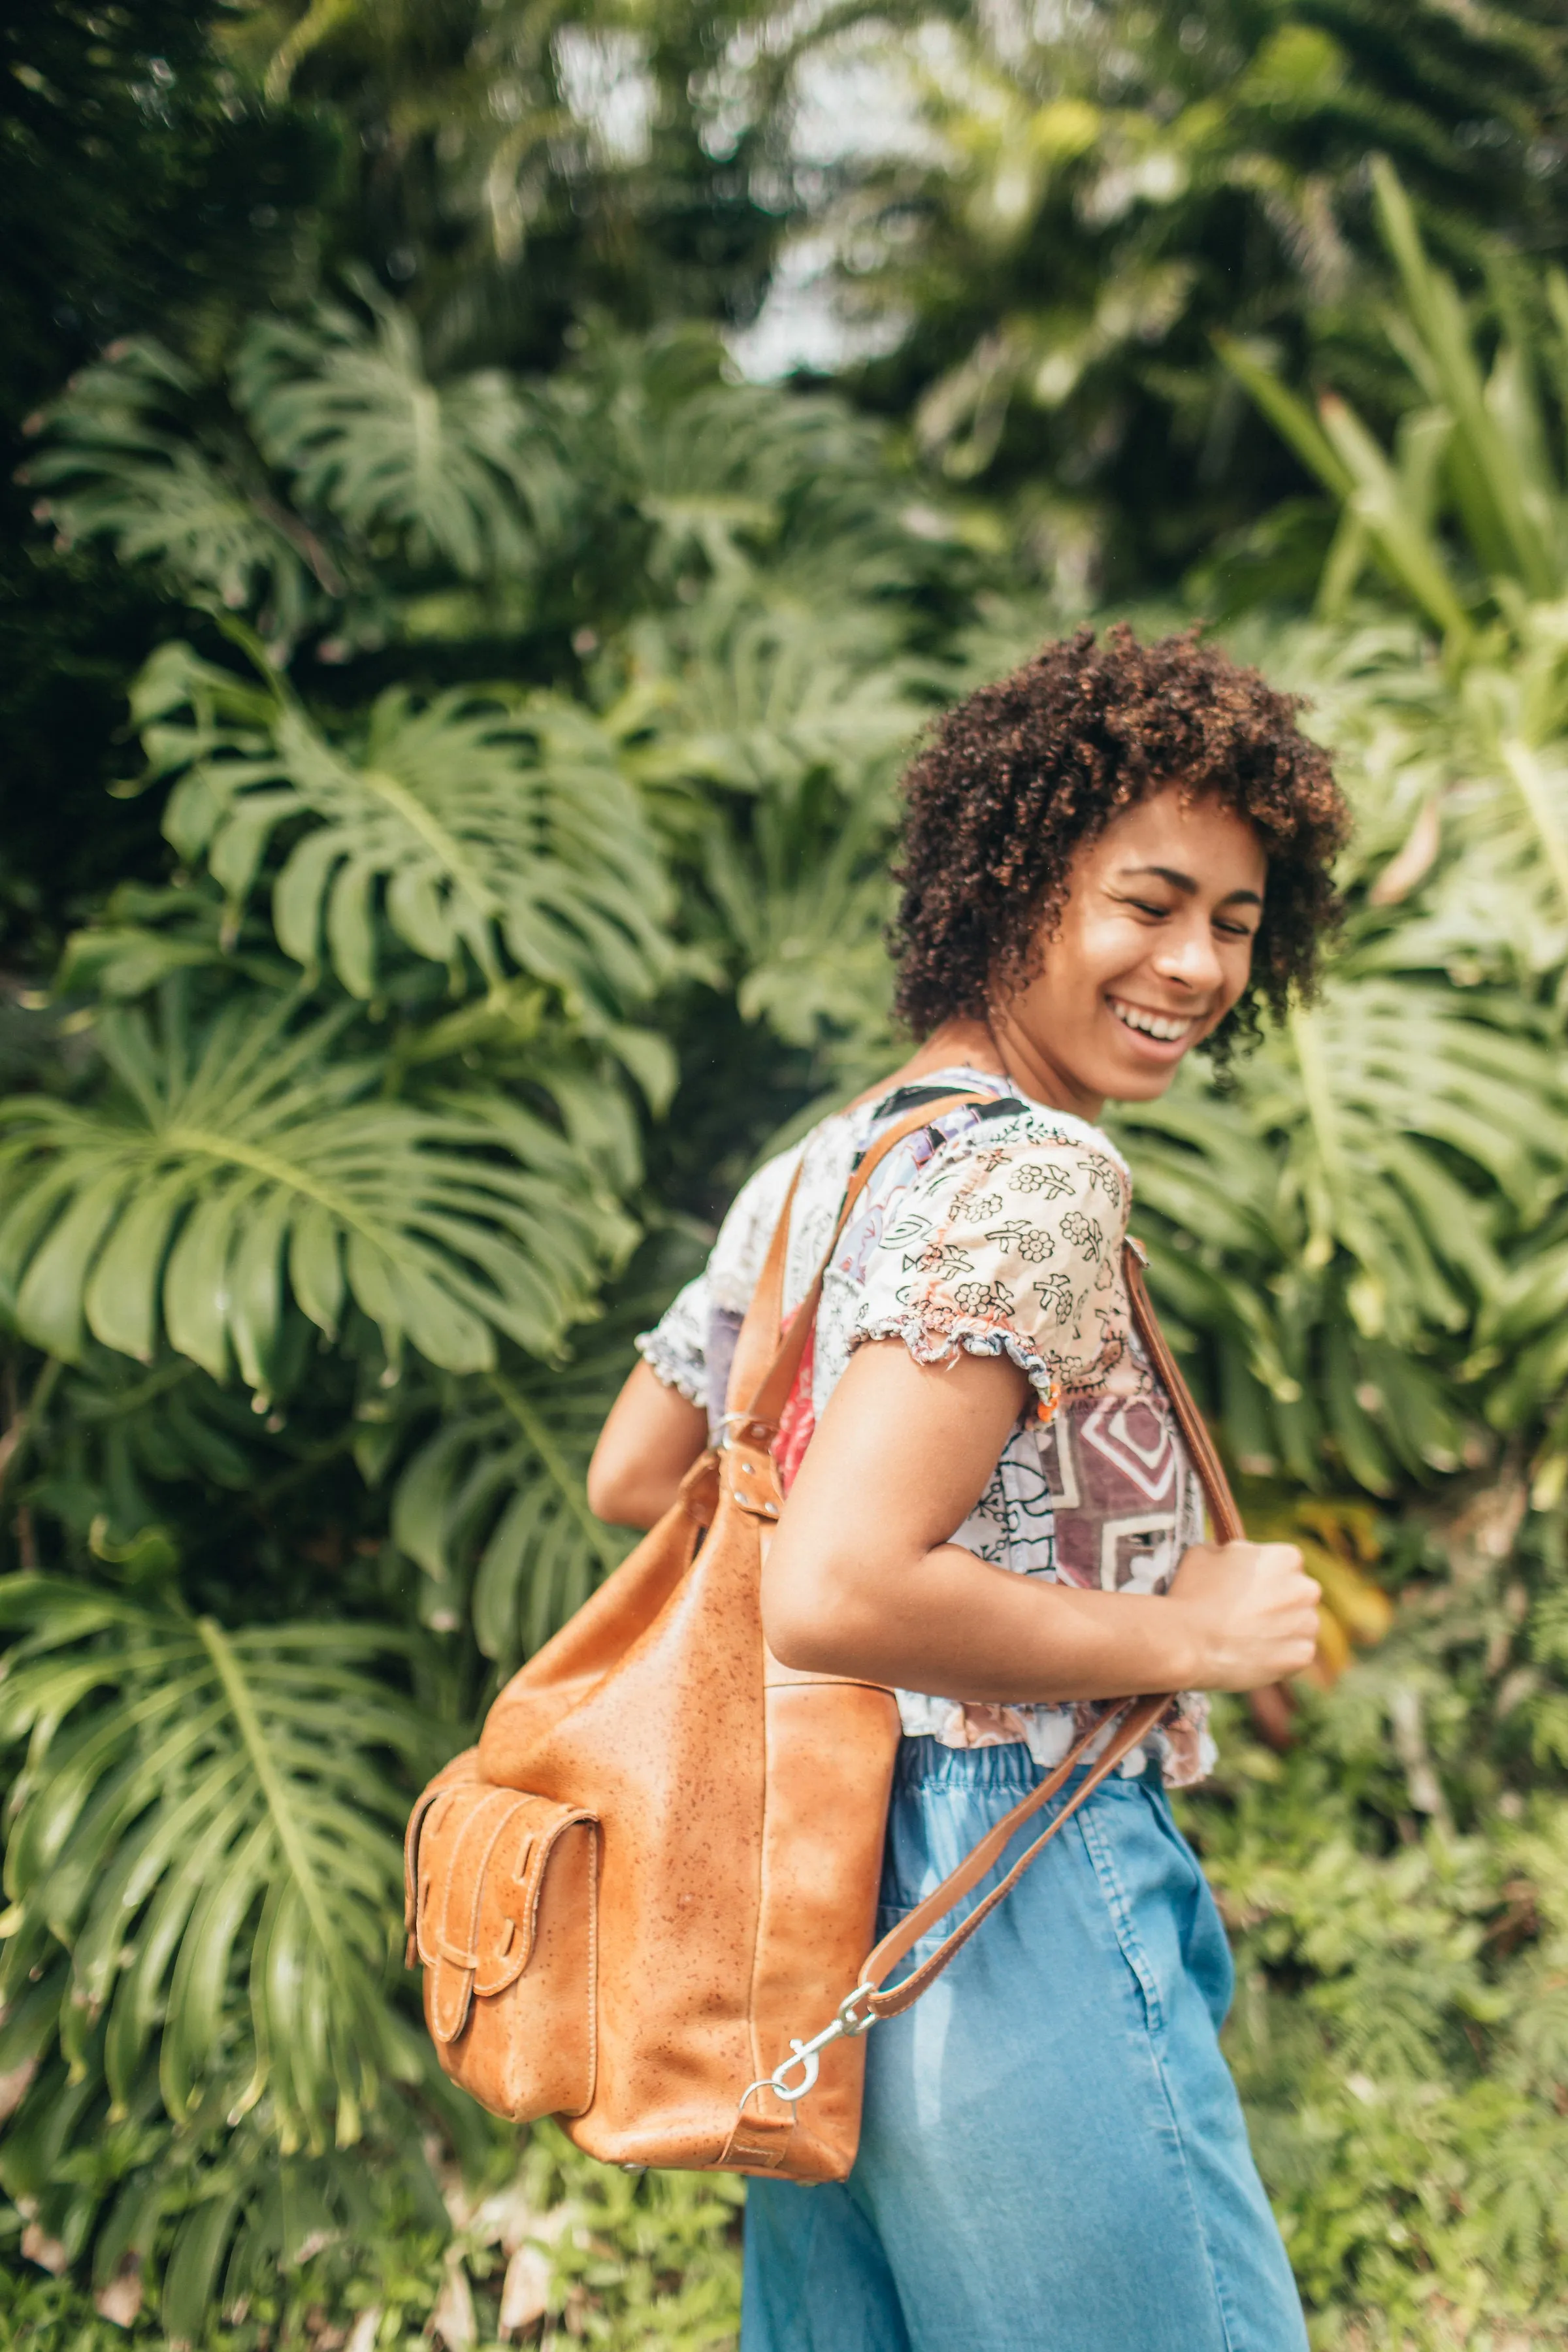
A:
(677, 1347)
(1008, 1241)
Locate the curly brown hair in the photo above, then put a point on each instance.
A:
(1017, 778)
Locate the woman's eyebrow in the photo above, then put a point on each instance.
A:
(1187, 883)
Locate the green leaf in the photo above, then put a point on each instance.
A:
(495, 1498)
(457, 470)
(235, 1786)
(121, 465)
(451, 1226)
(475, 829)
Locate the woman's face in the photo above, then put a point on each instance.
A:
(1152, 949)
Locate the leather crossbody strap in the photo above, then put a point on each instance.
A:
(1127, 1722)
(1124, 1728)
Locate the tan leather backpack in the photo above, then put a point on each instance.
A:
(644, 1902)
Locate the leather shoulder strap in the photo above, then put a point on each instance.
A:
(1224, 1518)
(765, 1364)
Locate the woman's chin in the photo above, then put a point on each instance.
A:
(1140, 1077)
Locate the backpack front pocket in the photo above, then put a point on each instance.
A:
(503, 1891)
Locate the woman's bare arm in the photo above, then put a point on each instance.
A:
(861, 1579)
(649, 1442)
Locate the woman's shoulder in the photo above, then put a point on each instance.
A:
(1007, 1237)
(1005, 1142)
(1026, 1133)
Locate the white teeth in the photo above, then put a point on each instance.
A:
(1153, 1024)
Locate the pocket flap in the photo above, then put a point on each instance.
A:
(462, 1769)
(481, 1854)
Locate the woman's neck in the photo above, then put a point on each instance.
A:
(1005, 1049)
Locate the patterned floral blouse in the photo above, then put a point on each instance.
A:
(999, 1227)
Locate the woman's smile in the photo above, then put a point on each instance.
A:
(1168, 1029)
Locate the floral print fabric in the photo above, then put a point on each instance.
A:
(997, 1228)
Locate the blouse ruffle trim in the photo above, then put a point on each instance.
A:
(930, 1343)
(679, 1367)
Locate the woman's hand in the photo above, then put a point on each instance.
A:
(1249, 1612)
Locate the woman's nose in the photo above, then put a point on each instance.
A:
(1190, 958)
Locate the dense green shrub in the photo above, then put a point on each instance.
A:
(338, 1139)
(517, 756)
(1064, 205)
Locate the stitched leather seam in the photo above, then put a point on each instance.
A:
(426, 1891)
(593, 1829)
(766, 2127)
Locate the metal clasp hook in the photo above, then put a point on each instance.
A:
(849, 2023)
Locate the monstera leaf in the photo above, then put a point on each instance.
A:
(121, 463)
(207, 1823)
(759, 699)
(725, 473)
(486, 827)
(457, 471)
(1342, 1220)
(236, 1164)
(492, 1505)
(805, 896)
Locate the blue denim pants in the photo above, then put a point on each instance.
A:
(1053, 2156)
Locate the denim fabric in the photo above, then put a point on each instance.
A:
(1053, 2157)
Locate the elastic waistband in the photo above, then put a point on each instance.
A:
(1007, 1767)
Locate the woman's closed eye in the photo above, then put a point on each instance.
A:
(1233, 927)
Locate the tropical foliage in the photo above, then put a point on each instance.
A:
(351, 1124)
(510, 167)
(500, 837)
(1066, 202)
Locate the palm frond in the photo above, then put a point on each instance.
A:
(1471, 503)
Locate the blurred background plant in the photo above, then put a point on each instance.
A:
(453, 715)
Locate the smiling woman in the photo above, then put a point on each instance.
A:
(1151, 951)
(1111, 857)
